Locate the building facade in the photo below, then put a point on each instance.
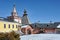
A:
(6, 26)
(38, 28)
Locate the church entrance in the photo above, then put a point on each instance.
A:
(29, 31)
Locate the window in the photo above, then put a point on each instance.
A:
(16, 26)
(9, 26)
(4, 25)
(12, 26)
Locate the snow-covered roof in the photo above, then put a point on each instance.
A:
(58, 26)
(24, 26)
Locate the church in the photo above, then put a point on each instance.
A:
(13, 22)
(34, 28)
(14, 17)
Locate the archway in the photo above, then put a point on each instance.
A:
(29, 31)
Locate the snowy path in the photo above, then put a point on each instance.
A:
(41, 37)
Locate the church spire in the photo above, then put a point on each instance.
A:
(25, 12)
(14, 9)
(14, 12)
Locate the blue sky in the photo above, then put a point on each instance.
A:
(37, 10)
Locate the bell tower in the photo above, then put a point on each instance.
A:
(25, 19)
(14, 16)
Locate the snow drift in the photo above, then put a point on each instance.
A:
(41, 37)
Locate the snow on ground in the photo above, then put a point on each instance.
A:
(41, 37)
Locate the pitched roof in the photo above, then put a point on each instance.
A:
(6, 20)
(25, 19)
(44, 25)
